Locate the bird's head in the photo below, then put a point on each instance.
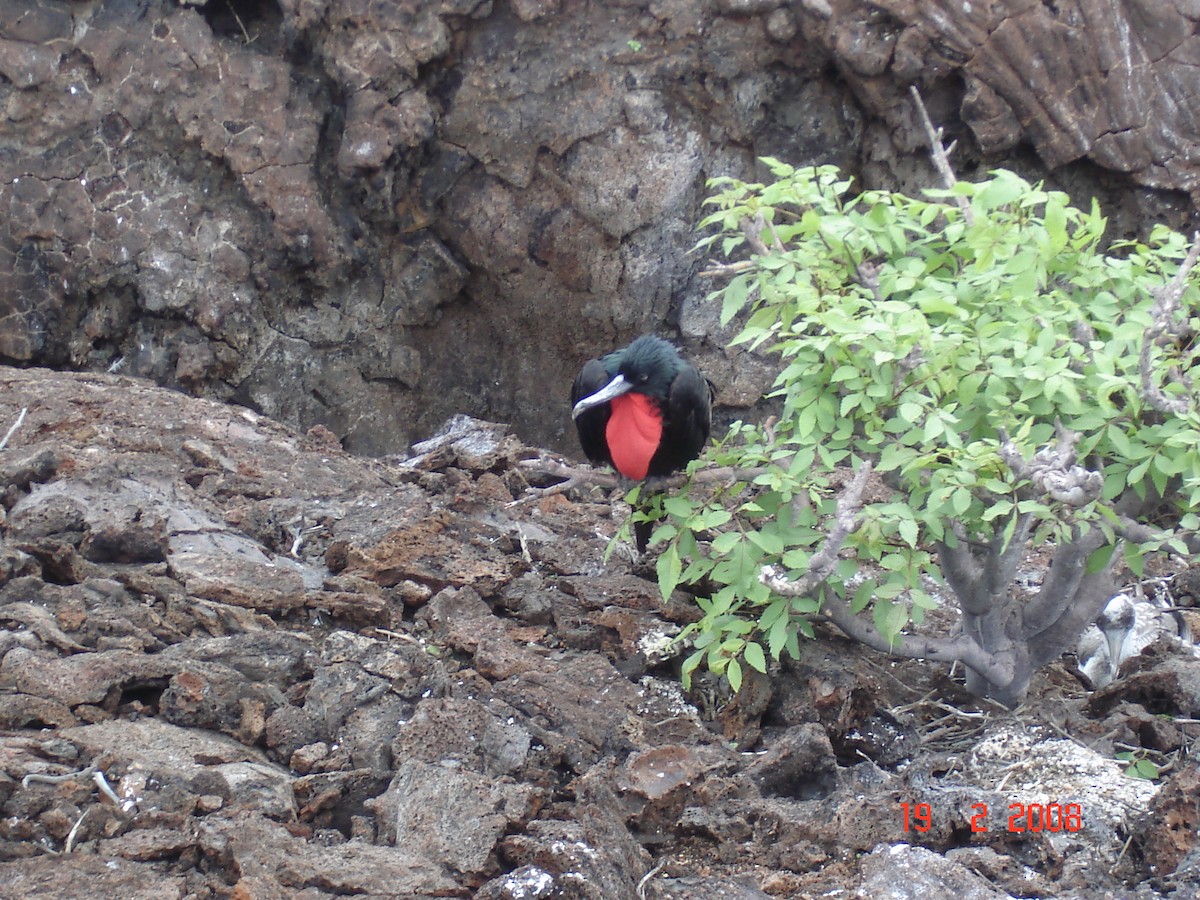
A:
(1116, 621)
(647, 366)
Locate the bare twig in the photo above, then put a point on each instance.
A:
(40, 778)
(641, 888)
(940, 154)
(238, 19)
(401, 636)
(586, 476)
(106, 789)
(1121, 855)
(724, 270)
(70, 844)
(753, 231)
(1167, 299)
(15, 426)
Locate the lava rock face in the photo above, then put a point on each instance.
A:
(236, 660)
(374, 215)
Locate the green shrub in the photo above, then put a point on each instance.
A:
(1009, 377)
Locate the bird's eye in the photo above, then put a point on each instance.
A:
(643, 378)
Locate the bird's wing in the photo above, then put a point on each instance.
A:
(687, 415)
(1092, 653)
(591, 423)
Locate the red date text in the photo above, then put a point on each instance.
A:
(1023, 818)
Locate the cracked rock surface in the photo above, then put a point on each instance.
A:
(236, 661)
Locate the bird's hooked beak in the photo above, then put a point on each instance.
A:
(614, 388)
(1116, 643)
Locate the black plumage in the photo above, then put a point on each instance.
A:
(644, 410)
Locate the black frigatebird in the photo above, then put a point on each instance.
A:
(644, 410)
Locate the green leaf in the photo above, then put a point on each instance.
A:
(753, 654)
(960, 501)
(1139, 768)
(768, 541)
(938, 304)
(1158, 478)
(1135, 560)
(1002, 190)
(968, 388)
(735, 296)
(713, 517)
(734, 673)
(890, 617)
(1056, 225)
(777, 637)
(863, 595)
(1099, 558)
(1146, 769)
(723, 543)
(1119, 440)
(678, 506)
(689, 666)
(669, 568)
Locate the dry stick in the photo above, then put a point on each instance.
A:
(70, 844)
(40, 778)
(15, 426)
(641, 888)
(578, 476)
(1167, 299)
(1121, 855)
(941, 155)
(106, 789)
(725, 270)
(238, 18)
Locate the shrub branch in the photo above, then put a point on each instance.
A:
(997, 667)
(940, 154)
(587, 476)
(821, 564)
(1167, 326)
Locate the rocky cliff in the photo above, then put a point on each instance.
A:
(372, 215)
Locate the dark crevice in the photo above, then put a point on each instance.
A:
(243, 21)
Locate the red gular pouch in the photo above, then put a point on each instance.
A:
(634, 430)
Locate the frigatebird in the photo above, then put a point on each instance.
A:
(644, 410)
